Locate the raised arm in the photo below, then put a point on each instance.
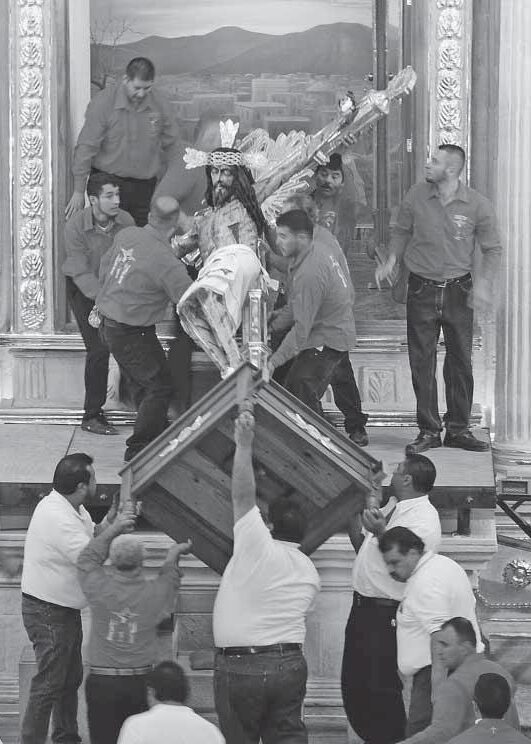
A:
(243, 490)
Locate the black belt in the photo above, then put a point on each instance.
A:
(361, 601)
(280, 648)
(442, 282)
(125, 178)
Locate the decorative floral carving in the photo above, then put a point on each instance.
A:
(450, 24)
(450, 122)
(32, 202)
(31, 21)
(31, 173)
(31, 144)
(31, 83)
(449, 84)
(381, 386)
(32, 53)
(32, 234)
(30, 167)
(450, 57)
(32, 303)
(31, 265)
(449, 115)
(31, 113)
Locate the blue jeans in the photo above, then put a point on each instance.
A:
(56, 635)
(429, 309)
(260, 697)
(139, 353)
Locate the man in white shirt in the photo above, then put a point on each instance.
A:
(52, 599)
(370, 684)
(168, 719)
(260, 612)
(437, 589)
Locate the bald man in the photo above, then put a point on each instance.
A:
(439, 226)
(126, 608)
(140, 276)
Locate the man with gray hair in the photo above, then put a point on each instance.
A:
(140, 276)
(126, 610)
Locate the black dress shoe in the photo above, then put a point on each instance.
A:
(98, 425)
(467, 441)
(359, 436)
(423, 442)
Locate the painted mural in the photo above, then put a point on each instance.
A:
(279, 65)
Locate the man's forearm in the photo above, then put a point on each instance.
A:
(96, 552)
(243, 490)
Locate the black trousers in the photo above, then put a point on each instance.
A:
(370, 684)
(420, 706)
(344, 388)
(180, 362)
(135, 196)
(311, 373)
(97, 359)
(429, 309)
(138, 351)
(110, 700)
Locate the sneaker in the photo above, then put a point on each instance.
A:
(466, 441)
(423, 442)
(359, 436)
(98, 425)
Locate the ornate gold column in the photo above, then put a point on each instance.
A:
(513, 379)
(33, 78)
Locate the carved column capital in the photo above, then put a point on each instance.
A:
(31, 60)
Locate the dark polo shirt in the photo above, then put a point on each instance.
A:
(438, 241)
(123, 140)
(320, 301)
(140, 276)
(85, 244)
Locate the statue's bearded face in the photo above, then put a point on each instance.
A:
(222, 185)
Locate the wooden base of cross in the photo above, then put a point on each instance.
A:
(181, 482)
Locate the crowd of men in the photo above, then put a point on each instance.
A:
(413, 611)
(413, 618)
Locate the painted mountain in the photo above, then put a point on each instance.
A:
(337, 48)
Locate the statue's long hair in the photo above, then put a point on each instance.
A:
(242, 189)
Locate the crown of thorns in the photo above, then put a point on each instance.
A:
(224, 158)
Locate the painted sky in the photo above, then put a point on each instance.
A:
(175, 18)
